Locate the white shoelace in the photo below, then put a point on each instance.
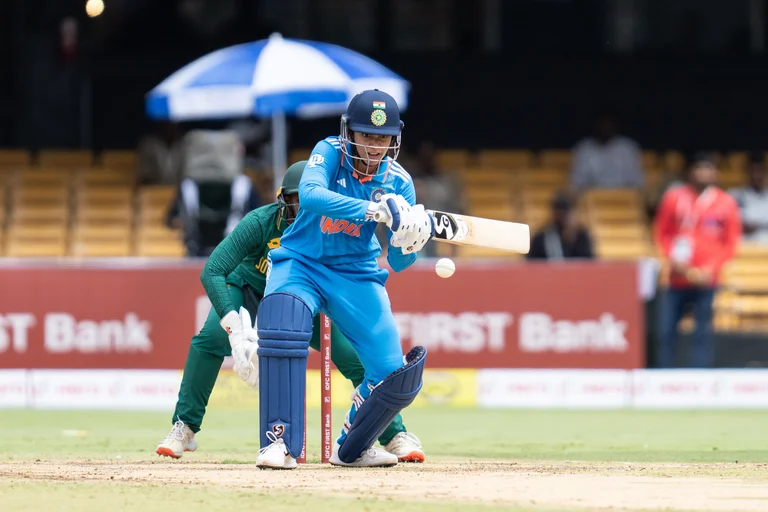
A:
(272, 439)
(177, 432)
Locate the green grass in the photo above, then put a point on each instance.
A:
(525, 436)
(640, 436)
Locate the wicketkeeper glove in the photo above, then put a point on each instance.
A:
(244, 341)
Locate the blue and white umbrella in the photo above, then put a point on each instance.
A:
(272, 78)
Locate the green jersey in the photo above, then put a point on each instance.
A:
(241, 258)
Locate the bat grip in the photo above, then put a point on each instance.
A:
(381, 216)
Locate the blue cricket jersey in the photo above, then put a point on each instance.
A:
(334, 225)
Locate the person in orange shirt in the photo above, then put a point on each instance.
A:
(697, 228)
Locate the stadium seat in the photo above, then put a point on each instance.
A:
(559, 159)
(487, 177)
(736, 161)
(499, 211)
(65, 159)
(510, 159)
(61, 178)
(15, 159)
(104, 214)
(104, 178)
(453, 160)
(40, 214)
(101, 248)
(35, 249)
(548, 178)
(118, 160)
(157, 249)
(104, 195)
(622, 249)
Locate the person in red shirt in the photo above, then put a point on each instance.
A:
(697, 229)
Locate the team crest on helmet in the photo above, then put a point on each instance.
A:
(278, 429)
(376, 194)
(378, 117)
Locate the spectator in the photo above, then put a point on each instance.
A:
(607, 159)
(753, 202)
(436, 190)
(564, 238)
(160, 156)
(696, 229)
(214, 194)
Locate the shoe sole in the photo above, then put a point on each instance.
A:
(412, 457)
(167, 452)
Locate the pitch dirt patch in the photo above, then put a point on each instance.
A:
(704, 487)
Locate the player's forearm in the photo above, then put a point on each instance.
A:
(245, 238)
(321, 201)
(216, 288)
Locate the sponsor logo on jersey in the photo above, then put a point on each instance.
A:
(333, 226)
(274, 243)
(342, 182)
(315, 160)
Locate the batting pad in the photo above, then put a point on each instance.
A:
(284, 326)
(396, 392)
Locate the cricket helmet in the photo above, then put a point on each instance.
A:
(290, 185)
(373, 112)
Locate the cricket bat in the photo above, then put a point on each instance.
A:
(454, 228)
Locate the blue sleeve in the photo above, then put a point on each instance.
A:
(395, 257)
(314, 193)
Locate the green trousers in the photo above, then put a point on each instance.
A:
(210, 346)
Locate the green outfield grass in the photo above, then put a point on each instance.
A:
(641, 436)
(530, 436)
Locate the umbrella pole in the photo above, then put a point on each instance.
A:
(279, 148)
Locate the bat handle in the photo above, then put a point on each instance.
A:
(381, 216)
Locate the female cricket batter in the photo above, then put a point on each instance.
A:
(234, 276)
(327, 262)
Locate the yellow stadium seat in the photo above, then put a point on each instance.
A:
(622, 250)
(501, 211)
(453, 160)
(736, 161)
(104, 214)
(488, 194)
(90, 232)
(621, 231)
(45, 195)
(37, 249)
(157, 249)
(14, 159)
(487, 177)
(751, 250)
(56, 232)
(55, 214)
(156, 195)
(152, 232)
(118, 160)
(548, 178)
(66, 159)
(101, 248)
(505, 158)
(122, 196)
(559, 159)
(732, 178)
(61, 178)
(104, 178)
